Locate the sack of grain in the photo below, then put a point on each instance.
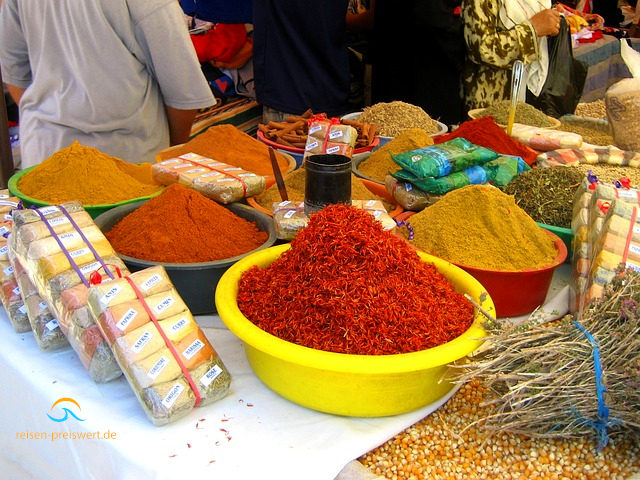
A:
(623, 110)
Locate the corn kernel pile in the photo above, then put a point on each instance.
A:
(439, 447)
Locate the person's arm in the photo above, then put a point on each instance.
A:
(15, 92)
(180, 123)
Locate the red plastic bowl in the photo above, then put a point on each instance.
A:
(515, 293)
(300, 151)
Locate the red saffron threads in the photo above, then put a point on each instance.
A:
(347, 286)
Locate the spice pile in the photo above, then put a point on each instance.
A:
(593, 134)
(347, 286)
(84, 174)
(611, 173)
(479, 226)
(295, 185)
(596, 109)
(183, 226)
(484, 131)
(451, 444)
(395, 117)
(525, 114)
(546, 194)
(228, 144)
(380, 163)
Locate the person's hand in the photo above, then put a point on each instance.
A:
(546, 22)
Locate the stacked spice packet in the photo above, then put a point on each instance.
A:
(329, 136)
(168, 361)
(10, 290)
(289, 217)
(216, 180)
(61, 250)
(605, 226)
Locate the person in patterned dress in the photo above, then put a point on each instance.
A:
(497, 33)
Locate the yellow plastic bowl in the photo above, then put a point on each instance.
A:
(342, 384)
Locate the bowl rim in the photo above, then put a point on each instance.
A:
(271, 239)
(300, 151)
(474, 114)
(561, 255)
(443, 127)
(12, 185)
(268, 344)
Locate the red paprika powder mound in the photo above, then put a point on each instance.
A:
(484, 131)
(183, 226)
(347, 286)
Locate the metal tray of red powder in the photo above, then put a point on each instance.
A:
(195, 282)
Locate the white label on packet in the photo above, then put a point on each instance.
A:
(628, 194)
(336, 134)
(376, 213)
(192, 349)
(67, 238)
(311, 146)
(636, 229)
(211, 174)
(231, 169)
(416, 158)
(210, 376)
(170, 162)
(58, 221)
(43, 305)
(333, 149)
(285, 203)
(16, 290)
(164, 304)
(8, 270)
(633, 266)
(227, 179)
(314, 128)
(247, 174)
(80, 251)
(289, 214)
(151, 281)
(635, 249)
(109, 295)
(142, 341)
(4, 250)
(126, 319)
(22, 309)
(196, 170)
(193, 156)
(179, 325)
(8, 217)
(48, 210)
(3, 230)
(408, 187)
(158, 367)
(90, 267)
(370, 203)
(172, 396)
(52, 325)
(4, 195)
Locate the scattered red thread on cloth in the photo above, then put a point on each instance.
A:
(347, 286)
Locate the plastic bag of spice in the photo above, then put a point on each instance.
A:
(329, 136)
(169, 362)
(46, 329)
(59, 254)
(216, 180)
(444, 159)
(471, 176)
(505, 168)
(11, 299)
(407, 196)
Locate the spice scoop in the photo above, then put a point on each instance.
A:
(278, 175)
(516, 84)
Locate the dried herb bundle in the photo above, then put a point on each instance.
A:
(542, 377)
(546, 194)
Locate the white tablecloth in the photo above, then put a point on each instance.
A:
(252, 433)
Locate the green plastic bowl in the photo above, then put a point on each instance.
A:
(565, 234)
(93, 210)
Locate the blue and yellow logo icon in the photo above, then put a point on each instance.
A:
(66, 411)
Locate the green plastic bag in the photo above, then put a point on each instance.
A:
(477, 174)
(443, 159)
(505, 168)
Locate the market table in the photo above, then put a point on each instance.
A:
(251, 433)
(606, 66)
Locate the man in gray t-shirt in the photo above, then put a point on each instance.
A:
(121, 76)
